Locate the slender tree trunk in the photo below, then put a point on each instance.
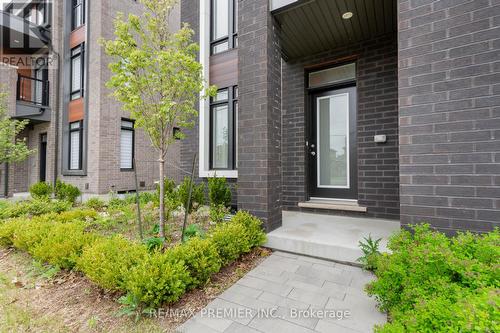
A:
(162, 194)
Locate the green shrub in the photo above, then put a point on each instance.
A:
(95, 203)
(193, 230)
(156, 280)
(218, 213)
(108, 260)
(197, 196)
(230, 241)
(66, 192)
(219, 192)
(430, 281)
(370, 248)
(154, 243)
(201, 258)
(62, 244)
(253, 228)
(84, 215)
(7, 230)
(34, 207)
(472, 312)
(31, 232)
(169, 185)
(40, 190)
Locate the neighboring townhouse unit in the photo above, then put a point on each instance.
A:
(55, 70)
(377, 108)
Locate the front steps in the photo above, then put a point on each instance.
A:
(328, 236)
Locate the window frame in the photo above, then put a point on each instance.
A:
(74, 5)
(230, 102)
(232, 36)
(80, 91)
(131, 129)
(80, 138)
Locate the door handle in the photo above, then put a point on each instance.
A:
(313, 153)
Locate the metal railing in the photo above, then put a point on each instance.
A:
(32, 90)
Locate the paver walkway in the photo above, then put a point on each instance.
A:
(286, 293)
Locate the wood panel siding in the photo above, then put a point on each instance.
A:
(77, 37)
(26, 88)
(312, 27)
(75, 110)
(224, 69)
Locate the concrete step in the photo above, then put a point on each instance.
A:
(328, 236)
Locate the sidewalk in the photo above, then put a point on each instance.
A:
(286, 293)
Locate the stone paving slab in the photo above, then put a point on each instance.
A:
(292, 293)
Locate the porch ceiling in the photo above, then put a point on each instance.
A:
(312, 26)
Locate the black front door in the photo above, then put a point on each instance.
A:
(332, 144)
(43, 157)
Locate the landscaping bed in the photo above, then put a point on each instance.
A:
(100, 242)
(433, 283)
(40, 299)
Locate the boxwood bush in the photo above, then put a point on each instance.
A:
(156, 280)
(40, 190)
(33, 207)
(66, 192)
(118, 264)
(200, 257)
(433, 283)
(62, 244)
(107, 261)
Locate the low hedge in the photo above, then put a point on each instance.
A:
(108, 261)
(57, 239)
(33, 207)
(118, 264)
(156, 280)
(201, 258)
(433, 283)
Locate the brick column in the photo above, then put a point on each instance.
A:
(449, 99)
(259, 117)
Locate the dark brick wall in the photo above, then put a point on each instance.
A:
(378, 174)
(449, 96)
(259, 151)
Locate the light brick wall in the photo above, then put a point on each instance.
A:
(449, 97)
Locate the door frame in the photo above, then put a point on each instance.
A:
(310, 135)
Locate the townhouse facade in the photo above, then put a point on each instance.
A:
(376, 108)
(54, 70)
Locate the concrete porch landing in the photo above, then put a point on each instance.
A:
(328, 236)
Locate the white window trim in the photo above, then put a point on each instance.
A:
(204, 118)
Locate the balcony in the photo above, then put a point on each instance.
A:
(32, 99)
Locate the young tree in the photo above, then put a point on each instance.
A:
(156, 76)
(12, 148)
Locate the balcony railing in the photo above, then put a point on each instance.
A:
(33, 90)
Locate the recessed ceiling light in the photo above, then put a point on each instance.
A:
(347, 15)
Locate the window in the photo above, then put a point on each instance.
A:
(77, 14)
(127, 142)
(223, 115)
(75, 145)
(38, 87)
(224, 25)
(41, 13)
(77, 72)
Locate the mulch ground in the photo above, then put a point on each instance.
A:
(83, 307)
